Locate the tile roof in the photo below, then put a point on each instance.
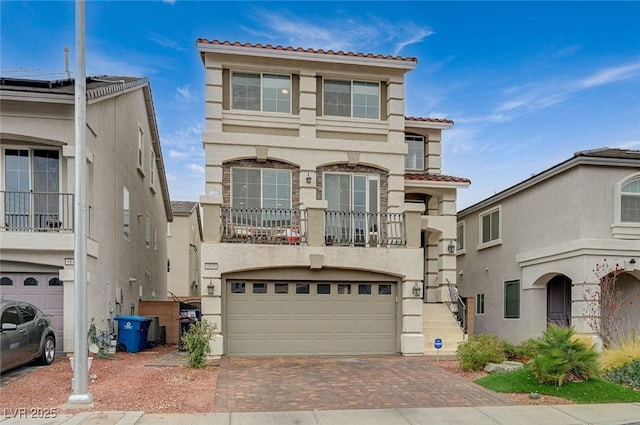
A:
(183, 207)
(435, 178)
(97, 86)
(609, 153)
(306, 50)
(438, 120)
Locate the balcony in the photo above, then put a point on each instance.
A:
(291, 227)
(37, 212)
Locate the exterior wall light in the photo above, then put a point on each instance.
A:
(308, 179)
(451, 248)
(416, 290)
(210, 288)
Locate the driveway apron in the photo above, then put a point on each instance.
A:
(324, 383)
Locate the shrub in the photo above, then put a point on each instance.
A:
(478, 350)
(523, 352)
(562, 357)
(623, 352)
(196, 342)
(627, 374)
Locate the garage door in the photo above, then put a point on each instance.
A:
(319, 318)
(45, 291)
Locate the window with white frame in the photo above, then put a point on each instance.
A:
(152, 167)
(479, 303)
(512, 299)
(414, 159)
(147, 229)
(460, 237)
(140, 146)
(630, 202)
(490, 227)
(260, 188)
(126, 214)
(261, 92)
(358, 99)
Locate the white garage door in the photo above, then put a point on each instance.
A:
(43, 290)
(319, 318)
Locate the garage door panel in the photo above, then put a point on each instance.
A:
(360, 322)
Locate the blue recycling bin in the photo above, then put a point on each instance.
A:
(132, 332)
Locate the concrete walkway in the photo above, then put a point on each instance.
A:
(601, 414)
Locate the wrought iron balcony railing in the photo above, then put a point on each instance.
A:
(263, 225)
(37, 211)
(350, 228)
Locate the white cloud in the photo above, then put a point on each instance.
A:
(185, 93)
(195, 168)
(177, 155)
(166, 42)
(611, 75)
(186, 139)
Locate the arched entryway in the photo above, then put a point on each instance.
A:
(559, 301)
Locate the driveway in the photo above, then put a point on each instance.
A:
(328, 383)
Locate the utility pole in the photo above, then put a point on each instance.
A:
(80, 382)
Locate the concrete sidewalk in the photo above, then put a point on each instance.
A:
(601, 414)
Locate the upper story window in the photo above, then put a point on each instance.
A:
(126, 216)
(460, 237)
(358, 99)
(147, 229)
(140, 145)
(260, 188)
(490, 227)
(152, 167)
(630, 202)
(414, 160)
(261, 92)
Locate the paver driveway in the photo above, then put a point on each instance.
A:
(323, 383)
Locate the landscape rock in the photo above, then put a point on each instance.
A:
(504, 367)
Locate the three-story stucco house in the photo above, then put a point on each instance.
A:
(327, 222)
(184, 237)
(127, 198)
(529, 254)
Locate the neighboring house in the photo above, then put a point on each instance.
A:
(127, 198)
(527, 254)
(327, 222)
(184, 236)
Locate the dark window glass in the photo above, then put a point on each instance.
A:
(302, 288)
(55, 282)
(344, 288)
(324, 288)
(30, 281)
(10, 315)
(28, 313)
(237, 288)
(364, 289)
(384, 289)
(281, 288)
(5, 281)
(259, 288)
(512, 299)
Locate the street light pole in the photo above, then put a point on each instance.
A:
(81, 394)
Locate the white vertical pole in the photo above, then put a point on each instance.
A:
(81, 394)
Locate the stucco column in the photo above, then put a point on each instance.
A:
(413, 223)
(411, 339)
(211, 310)
(315, 221)
(211, 218)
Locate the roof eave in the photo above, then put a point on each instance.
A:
(438, 125)
(425, 184)
(203, 47)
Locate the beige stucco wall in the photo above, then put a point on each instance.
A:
(562, 225)
(112, 132)
(184, 277)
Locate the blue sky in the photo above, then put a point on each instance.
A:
(527, 83)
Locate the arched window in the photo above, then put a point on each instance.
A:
(30, 281)
(54, 281)
(630, 202)
(5, 281)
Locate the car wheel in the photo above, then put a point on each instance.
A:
(48, 351)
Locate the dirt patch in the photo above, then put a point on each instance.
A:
(128, 384)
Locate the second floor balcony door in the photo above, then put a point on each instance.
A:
(32, 189)
(353, 204)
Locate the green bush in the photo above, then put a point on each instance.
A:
(628, 375)
(561, 357)
(478, 350)
(524, 351)
(196, 342)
